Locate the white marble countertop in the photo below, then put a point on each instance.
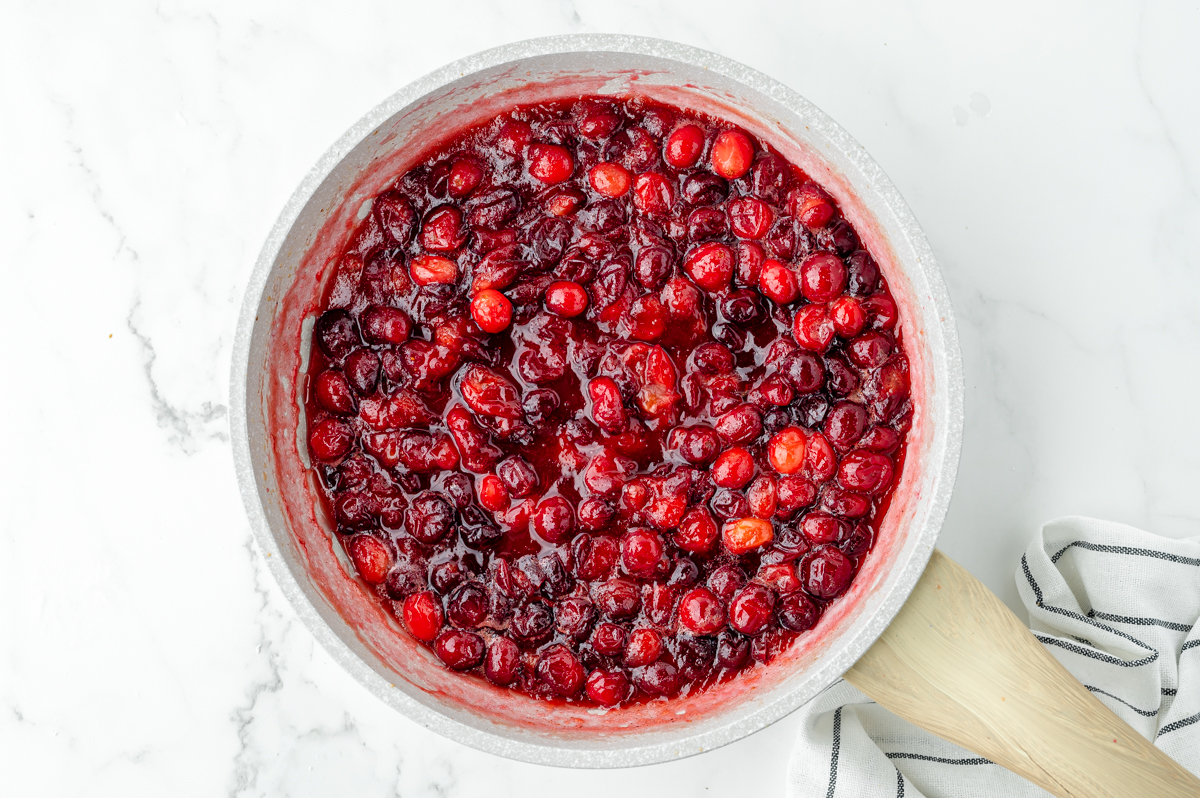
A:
(1051, 151)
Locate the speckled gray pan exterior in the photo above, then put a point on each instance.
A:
(929, 309)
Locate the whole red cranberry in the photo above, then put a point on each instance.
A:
(684, 147)
(331, 439)
(595, 513)
(607, 686)
(503, 662)
(422, 615)
(641, 551)
(733, 468)
(699, 444)
(566, 298)
(752, 609)
(710, 266)
(696, 531)
(742, 424)
(643, 647)
(700, 612)
(653, 194)
(371, 558)
(550, 163)
(732, 154)
(658, 678)
(459, 650)
(845, 424)
(332, 392)
(554, 519)
(559, 669)
(812, 328)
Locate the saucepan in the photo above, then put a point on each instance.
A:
(915, 631)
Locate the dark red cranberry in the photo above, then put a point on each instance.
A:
(880, 439)
(750, 262)
(859, 541)
(863, 274)
(459, 650)
(729, 505)
(699, 445)
(700, 612)
(618, 598)
(467, 606)
(710, 266)
(840, 237)
(827, 573)
(558, 668)
(446, 575)
(573, 617)
(652, 266)
(532, 625)
(845, 424)
(823, 528)
(770, 178)
(554, 519)
(797, 612)
(726, 580)
(608, 639)
(684, 572)
(732, 650)
(658, 678)
(362, 371)
(457, 487)
(336, 333)
(865, 472)
(429, 517)
(713, 358)
(395, 216)
(518, 476)
(595, 513)
(703, 188)
(607, 686)
(503, 662)
(404, 580)
(356, 509)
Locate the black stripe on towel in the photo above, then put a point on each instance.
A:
(1143, 712)
(833, 759)
(1037, 592)
(1172, 625)
(941, 760)
(899, 784)
(1179, 724)
(1096, 655)
(1100, 547)
(1189, 644)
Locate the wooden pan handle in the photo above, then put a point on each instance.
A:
(956, 662)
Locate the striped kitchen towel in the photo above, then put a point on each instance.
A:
(1119, 607)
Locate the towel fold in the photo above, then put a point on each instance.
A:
(1119, 607)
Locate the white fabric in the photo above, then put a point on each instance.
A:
(1119, 608)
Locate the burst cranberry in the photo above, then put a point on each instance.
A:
(618, 598)
(518, 476)
(780, 577)
(749, 217)
(827, 573)
(653, 194)
(785, 450)
(761, 496)
(443, 231)
(733, 468)
(732, 154)
(371, 558)
(710, 266)
(869, 350)
(700, 612)
(467, 606)
(333, 392)
(465, 176)
(811, 205)
(423, 615)
(726, 580)
(429, 517)
(330, 440)
(491, 310)
(812, 328)
(713, 358)
(566, 298)
(821, 461)
(608, 639)
(752, 609)
(554, 519)
(641, 551)
(594, 513)
(747, 534)
(794, 493)
(433, 270)
(696, 531)
(573, 617)
(880, 439)
(684, 147)
(386, 325)
(643, 647)
(607, 409)
(560, 670)
(607, 687)
(336, 334)
(493, 493)
(514, 136)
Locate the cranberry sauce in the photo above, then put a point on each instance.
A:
(607, 401)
